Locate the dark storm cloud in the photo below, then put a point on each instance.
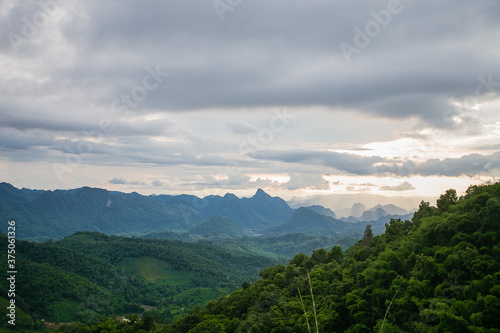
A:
(96, 60)
(413, 67)
(252, 58)
(349, 163)
(279, 53)
(468, 165)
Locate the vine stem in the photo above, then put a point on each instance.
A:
(305, 313)
(314, 305)
(387, 311)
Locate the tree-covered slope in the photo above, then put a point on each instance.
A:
(43, 215)
(219, 228)
(90, 275)
(305, 220)
(55, 214)
(439, 272)
(285, 247)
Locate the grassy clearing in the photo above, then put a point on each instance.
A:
(154, 270)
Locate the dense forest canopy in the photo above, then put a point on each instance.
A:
(89, 275)
(439, 272)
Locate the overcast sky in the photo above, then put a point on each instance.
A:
(206, 97)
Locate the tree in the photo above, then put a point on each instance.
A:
(336, 254)
(447, 199)
(367, 236)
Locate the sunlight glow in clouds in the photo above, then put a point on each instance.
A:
(414, 113)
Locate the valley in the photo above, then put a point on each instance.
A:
(192, 257)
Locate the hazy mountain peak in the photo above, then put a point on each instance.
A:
(230, 196)
(389, 209)
(261, 193)
(357, 209)
(322, 210)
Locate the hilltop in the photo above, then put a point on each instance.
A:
(438, 272)
(44, 215)
(89, 275)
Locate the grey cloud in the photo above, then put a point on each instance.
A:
(349, 163)
(468, 165)
(252, 59)
(363, 184)
(121, 181)
(233, 181)
(240, 127)
(64, 81)
(157, 182)
(306, 181)
(405, 186)
(358, 189)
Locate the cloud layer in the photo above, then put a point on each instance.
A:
(185, 94)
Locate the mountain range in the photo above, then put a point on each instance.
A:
(342, 203)
(43, 215)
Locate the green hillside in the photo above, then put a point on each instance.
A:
(305, 220)
(439, 272)
(154, 270)
(43, 215)
(89, 275)
(219, 228)
(285, 247)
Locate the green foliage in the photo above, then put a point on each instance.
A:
(219, 228)
(439, 272)
(446, 200)
(44, 215)
(90, 275)
(285, 247)
(367, 236)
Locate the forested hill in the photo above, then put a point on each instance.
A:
(439, 272)
(44, 215)
(90, 275)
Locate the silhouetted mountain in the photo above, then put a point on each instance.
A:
(391, 209)
(42, 215)
(357, 209)
(375, 214)
(309, 222)
(273, 210)
(439, 272)
(341, 204)
(10, 193)
(322, 210)
(54, 214)
(258, 212)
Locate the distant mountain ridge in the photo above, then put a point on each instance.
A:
(345, 201)
(307, 221)
(43, 215)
